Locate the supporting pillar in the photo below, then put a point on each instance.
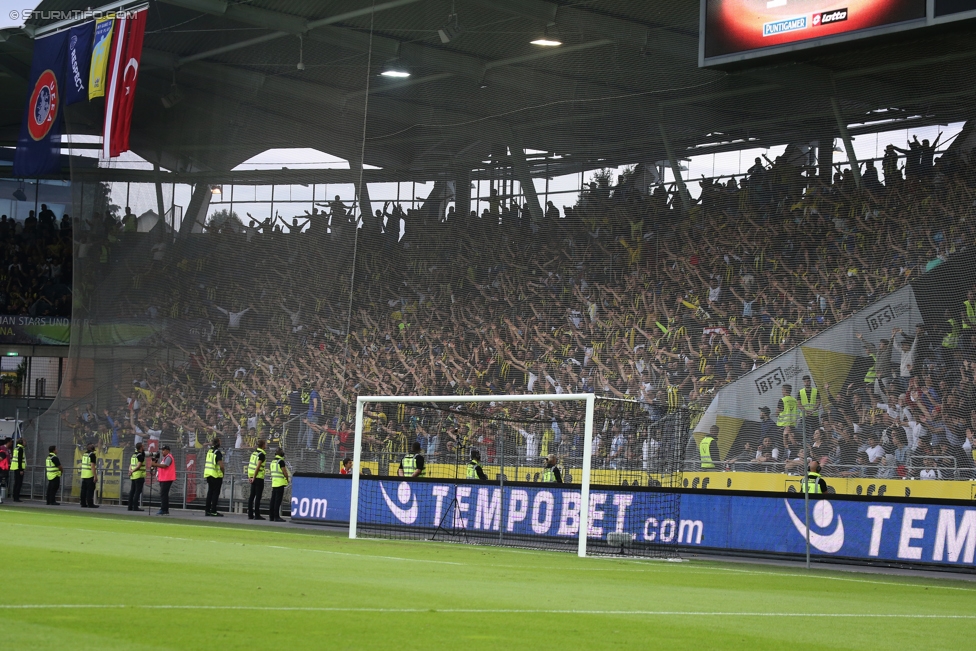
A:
(362, 193)
(195, 217)
(521, 168)
(675, 169)
(848, 144)
(825, 158)
(462, 193)
(159, 194)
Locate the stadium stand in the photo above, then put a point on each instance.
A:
(620, 294)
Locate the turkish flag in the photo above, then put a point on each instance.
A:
(123, 74)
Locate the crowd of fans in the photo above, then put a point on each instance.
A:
(627, 294)
(36, 272)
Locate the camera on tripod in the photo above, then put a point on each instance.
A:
(154, 456)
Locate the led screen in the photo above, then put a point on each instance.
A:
(861, 528)
(755, 27)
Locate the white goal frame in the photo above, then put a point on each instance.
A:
(588, 398)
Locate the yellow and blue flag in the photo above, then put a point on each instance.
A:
(101, 53)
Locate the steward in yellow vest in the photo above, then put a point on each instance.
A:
(255, 475)
(551, 473)
(89, 464)
(412, 465)
(809, 399)
(53, 469)
(213, 472)
(137, 477)
(475, 470)
(787, 411)
(813, 483)
(279, 481)
(708, 449)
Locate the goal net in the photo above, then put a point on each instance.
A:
(517, 470)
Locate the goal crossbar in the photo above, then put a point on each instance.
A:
(587, 398)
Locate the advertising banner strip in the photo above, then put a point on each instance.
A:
(852, 528)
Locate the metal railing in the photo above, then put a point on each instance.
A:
(947, 466)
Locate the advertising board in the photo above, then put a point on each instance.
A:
(863, 529)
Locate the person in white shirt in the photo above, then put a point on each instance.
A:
(766, 453)
(714, 290)
(929, 471)
(617, 450)
(874, 450)
(908, 358)
(649, 452)
(531, 445)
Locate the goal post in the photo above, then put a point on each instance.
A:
(587, 398)
(487, 476)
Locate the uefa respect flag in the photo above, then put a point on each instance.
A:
(79, 61)
(101, 48)
(39, 145)
(123, 75)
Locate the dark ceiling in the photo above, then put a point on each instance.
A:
(625, 81)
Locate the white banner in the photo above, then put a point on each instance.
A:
(827, 358)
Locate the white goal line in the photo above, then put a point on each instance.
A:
(588, 398)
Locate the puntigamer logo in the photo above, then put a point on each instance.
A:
(783, 26)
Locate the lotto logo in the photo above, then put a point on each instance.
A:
(829, 17)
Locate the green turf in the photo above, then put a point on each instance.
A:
(284, 589)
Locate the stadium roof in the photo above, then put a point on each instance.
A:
(624, 82)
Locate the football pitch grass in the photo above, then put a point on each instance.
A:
(94, 581)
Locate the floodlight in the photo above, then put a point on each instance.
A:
(451, 30)
(173, 98)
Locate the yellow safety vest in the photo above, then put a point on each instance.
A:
(811, 484)
(409, 465)
(86, 466)
(52, 470)
(871, 375)
(135, 463)
(951, 340)
(808, 399)
(252, 465)
(705, 452)
(549, 475)
(473, 469)
(277, 476)
(15, 463)
(212, 469)
(970, 312)
(787, 417)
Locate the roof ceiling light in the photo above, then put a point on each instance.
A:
(395, 68)
(547, 40)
